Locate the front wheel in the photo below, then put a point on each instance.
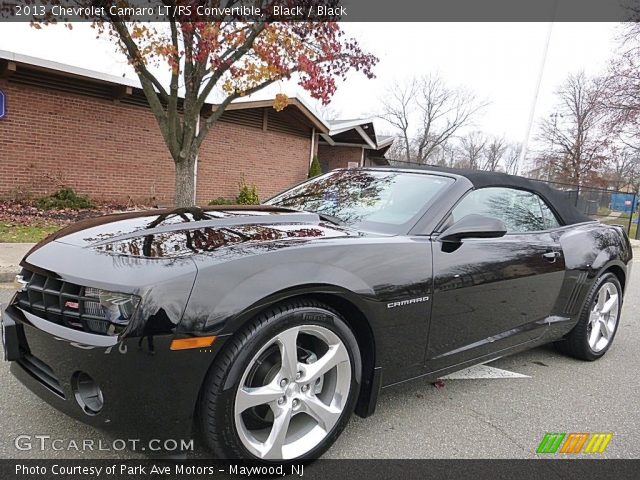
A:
(593, 335)
(284, 387)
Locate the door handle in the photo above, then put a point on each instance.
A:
(551, 256)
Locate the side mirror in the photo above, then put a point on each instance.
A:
(474, 226)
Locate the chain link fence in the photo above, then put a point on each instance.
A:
(609, 206)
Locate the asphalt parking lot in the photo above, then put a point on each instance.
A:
(468, 418)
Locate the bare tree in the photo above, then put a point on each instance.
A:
(623, 167)
(398, 104)
(494, 152)
(471, 151)
(328, 112)
(578, 138)
(427, 114)
(445, 154)
(512, 158)
(623, 80)
(443, 111)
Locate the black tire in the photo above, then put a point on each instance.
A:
(576, 343)
(216, 413)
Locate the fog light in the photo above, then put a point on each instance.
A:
(87, 393)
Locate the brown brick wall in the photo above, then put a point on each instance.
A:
(114, 152)
(272, 161)
(338, 157)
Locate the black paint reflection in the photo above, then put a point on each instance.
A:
(493, 294)
(157, 324)
(185, 242)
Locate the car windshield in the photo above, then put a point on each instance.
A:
(367, 199)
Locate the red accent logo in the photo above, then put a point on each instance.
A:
(71, 304)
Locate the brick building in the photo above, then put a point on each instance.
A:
(95, 133)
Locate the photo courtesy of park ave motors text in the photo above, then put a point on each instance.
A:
(302, 236)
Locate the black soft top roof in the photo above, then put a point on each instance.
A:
(556, 199)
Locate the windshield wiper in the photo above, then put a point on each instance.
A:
(323, 216)
(331, 218)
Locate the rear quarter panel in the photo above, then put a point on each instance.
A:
(589, 250)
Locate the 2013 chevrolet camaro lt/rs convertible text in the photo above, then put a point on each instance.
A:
(263, 328)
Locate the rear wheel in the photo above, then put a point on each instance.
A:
(598, 323)
(283, 388)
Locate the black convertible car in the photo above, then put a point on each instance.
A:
(264, 328)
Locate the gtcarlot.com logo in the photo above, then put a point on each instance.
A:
(574, 443)
(46, 442)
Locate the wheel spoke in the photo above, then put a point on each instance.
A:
(611, 304)
(288, 343)
(604, 328)
(602, 296)
(333, 357)
(326, 415)
(249, 397)
(272, 447)
(594, 336)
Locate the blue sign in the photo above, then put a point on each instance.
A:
(3, 104)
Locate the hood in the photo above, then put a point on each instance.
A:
(187, 231)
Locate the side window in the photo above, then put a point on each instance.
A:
(550, 219)
(521, 211)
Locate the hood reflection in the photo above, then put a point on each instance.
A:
(187, 242)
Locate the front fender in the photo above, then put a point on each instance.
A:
(230, 304)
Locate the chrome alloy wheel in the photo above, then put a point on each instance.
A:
(297, 400)
(603, 317)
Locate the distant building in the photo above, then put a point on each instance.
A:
(352, 143)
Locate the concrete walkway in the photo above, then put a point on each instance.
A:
(10, 256)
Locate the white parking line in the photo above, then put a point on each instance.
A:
(482, 371)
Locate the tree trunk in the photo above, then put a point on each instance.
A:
(185, 181)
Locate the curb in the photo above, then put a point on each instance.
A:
(9, 276)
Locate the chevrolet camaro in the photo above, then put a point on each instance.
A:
(263, 328)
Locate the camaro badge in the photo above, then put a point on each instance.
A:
(402, 303)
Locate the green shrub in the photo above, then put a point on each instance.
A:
(248, 194)
(65, 198)
(222, 201)
(315, 169)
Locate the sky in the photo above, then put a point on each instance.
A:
(499, 62)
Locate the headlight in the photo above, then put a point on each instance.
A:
(115, 308)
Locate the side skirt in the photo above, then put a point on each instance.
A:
(434, 375)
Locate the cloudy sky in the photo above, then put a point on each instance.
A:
(500, 62)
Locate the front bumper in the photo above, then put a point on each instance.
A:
(149, 391)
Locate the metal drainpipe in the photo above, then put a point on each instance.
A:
(195, 167)
(313, 139)
(634, 208)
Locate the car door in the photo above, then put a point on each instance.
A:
(493, 293)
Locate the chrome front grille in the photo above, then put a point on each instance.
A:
(63, 303)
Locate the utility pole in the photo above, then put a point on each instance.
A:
(532, 111)
(554, 116)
